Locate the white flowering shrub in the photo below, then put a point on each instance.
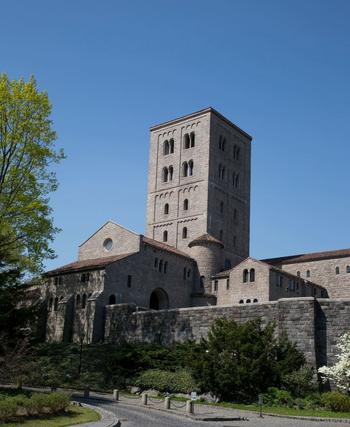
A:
(339, 373)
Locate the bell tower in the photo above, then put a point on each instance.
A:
(199, 184)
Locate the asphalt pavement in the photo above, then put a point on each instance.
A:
(140, 416)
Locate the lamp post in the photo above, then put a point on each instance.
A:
(82, 336)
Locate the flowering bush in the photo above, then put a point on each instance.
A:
(339, 373)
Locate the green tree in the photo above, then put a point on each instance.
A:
(238, 361)
(27, 153)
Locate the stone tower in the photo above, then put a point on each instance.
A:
(199, 185)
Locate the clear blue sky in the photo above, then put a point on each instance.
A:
(278, 69)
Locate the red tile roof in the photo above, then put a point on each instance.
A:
(87, 264)
(206, 238)
(315, 256)
(164, 247)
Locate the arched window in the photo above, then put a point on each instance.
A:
(186, 205)
(165, 236)
(188, 274)
(308, 273)
(184, 233)
(241, 301)
(337, 271)
(221, 207)
(255, 300)
(237, 180)
(201, 282)
(348, 268)
(171, 173)
(227, 284)
(248, 301)
(223, 144)
(166, 208)
(166, 148)
(83, 301)
(192, 139)
(190, 168)
(185, 273)
(77, 301)
(111, 300)
(160, 268)
(221, 235)
(235, 214)
(236, 152)
(171, 144)
(165, 174)
(252, 275)
(165, 267)
(155, 262)
(216, 285)
(184, 169)
(186, 141)
(55, 306)
(245, 276)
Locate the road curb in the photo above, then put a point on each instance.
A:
(108, 419)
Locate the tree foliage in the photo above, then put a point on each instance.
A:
(27, 153)
(239, 361)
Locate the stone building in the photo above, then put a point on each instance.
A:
(195, 252)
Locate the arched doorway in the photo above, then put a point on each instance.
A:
(159, 300)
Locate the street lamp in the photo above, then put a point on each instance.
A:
(82, 336)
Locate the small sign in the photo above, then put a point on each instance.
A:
(194, 395)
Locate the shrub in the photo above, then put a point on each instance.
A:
(277, 397)
(336, 401)
(312, 401)
(57, 402)
(299, 382)
(8, 409)
(166, 381)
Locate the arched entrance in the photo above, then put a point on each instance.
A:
(159, 300)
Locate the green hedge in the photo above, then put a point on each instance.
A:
(336, 401)
(165, 381)
(12, 407)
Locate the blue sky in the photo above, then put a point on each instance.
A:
(278, 69)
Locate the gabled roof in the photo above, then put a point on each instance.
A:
(107, 222)
(314, 256)
(164, 247)
(226, 273)
(87, 264)
(205, 238)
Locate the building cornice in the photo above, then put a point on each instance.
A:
(200, 113)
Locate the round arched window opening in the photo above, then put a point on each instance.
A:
(108, 244)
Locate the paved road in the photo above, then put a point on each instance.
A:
(137, 416)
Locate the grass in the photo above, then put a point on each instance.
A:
(76, 415)
(284, 410)
(278, 410)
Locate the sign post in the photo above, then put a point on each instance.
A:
(261, 402)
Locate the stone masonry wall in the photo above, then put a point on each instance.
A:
(323, 272)
(314, 325)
